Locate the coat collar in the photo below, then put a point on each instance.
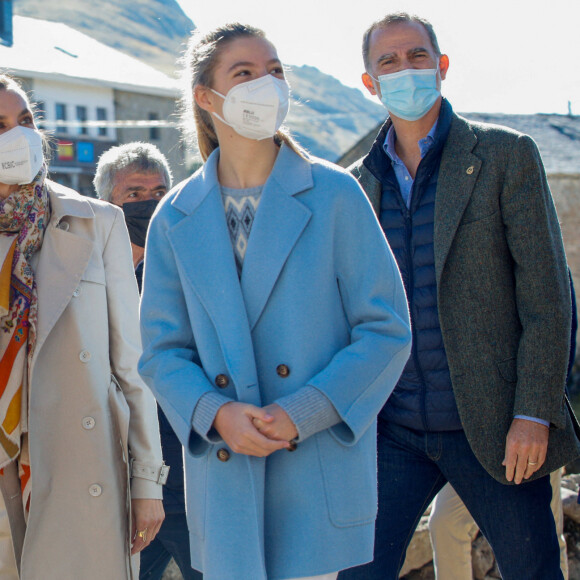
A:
(379, 165)
(62, 259)
(457, 177)
(292, 174)
(279, 223)
(458, 173)
(203, 248)
(67, 202)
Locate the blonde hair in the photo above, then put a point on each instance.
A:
(199, 63)
(8, 83)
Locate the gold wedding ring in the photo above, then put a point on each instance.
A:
(143, 535)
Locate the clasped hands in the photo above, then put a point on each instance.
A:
(257, 431)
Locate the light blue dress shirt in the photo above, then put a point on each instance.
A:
(401, 172)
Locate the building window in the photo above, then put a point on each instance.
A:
(60, 116)
(82, 118)
(40, 114)
(154, 131)
(102, 116)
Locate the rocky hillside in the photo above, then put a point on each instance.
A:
(326, 117)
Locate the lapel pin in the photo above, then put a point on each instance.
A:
(469, 170)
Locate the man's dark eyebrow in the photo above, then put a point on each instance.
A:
(389, 55)
(248, 63)
(385, 56)
(417, 49)
(141, 188)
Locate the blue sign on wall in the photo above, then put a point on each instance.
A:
(85, 152)
(6, 22)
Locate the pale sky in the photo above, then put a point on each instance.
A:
(510, 56)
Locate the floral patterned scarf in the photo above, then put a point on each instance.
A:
(24, 216)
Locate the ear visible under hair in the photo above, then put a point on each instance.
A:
(368, 83)
(443, 66)
(203, 98)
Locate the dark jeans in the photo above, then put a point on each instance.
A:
(171, 541)
(414, 465)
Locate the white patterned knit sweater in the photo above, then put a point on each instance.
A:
(241, 206)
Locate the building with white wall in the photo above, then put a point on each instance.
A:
(90, 97)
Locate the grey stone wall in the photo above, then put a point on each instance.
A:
(566, 193)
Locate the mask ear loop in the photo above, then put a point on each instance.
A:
(376, 83)
(216, 114)
(221, 119)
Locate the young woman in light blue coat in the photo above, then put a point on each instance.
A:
(275, 326)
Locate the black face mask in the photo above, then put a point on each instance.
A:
(137, 217)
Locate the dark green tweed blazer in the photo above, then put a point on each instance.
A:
(502, 287)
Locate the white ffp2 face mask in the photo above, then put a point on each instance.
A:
(20, 155)
(257, 108)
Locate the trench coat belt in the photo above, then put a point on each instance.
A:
(158, 475)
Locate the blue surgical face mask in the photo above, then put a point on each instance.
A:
(410, 93)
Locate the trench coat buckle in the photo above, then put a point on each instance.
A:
(145, 471)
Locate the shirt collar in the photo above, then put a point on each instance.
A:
(424, 144)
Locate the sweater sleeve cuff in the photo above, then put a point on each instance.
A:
(204, 415)
(310, 410)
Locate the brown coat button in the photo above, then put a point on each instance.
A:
(283, 371)
(223, 455)
(222, 381)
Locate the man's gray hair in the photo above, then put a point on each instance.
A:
(140, 157)
(397, 18)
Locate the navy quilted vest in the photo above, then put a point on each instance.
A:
(423, 398)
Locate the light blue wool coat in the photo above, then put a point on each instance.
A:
(321, 293)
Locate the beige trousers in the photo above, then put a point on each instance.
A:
(452, 530)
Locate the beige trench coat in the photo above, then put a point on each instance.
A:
(91, 418)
